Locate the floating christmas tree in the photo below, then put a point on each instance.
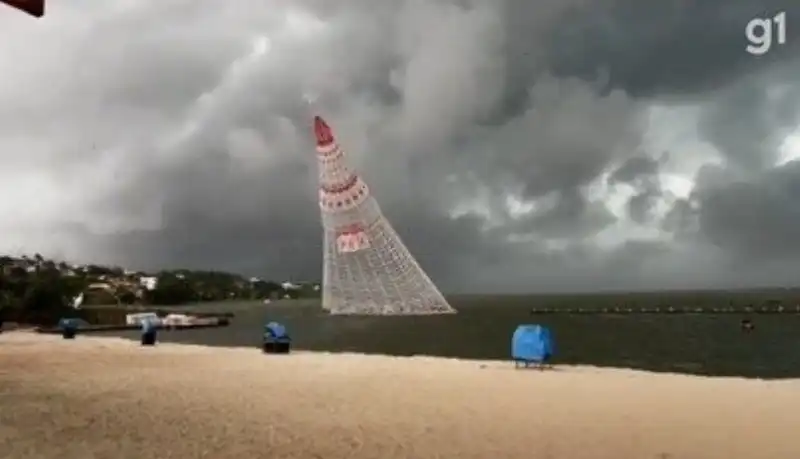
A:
(367, 268)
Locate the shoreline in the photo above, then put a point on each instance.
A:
(29, 336)
(109, 397)
(685, 344)
(691, 368)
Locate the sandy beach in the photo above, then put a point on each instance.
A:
(111, 398)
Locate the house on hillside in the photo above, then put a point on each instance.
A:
(13, 264)
(148, 282)
(290, 286)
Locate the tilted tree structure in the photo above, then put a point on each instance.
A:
(367, 268)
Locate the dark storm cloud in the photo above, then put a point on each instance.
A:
(641, 204)
(749, 120)
(569, 215)
(641, 173)
(190, 125)
(757, 218)
(635, 169)
(667, 46)
(681, 218)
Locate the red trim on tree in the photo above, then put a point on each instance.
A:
(350, 183)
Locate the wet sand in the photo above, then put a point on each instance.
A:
(111, 398)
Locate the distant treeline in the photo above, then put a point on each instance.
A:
(40, 291)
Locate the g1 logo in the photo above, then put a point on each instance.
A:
(759, 33)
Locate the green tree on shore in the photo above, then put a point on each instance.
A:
(41, 291)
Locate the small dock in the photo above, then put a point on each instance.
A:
(624, 310)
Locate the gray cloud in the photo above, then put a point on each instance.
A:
(510, 143)
(642, 173)
(758, 218)
(666, 47)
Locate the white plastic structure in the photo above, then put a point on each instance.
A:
(367, 268)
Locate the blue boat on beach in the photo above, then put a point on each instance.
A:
(276, 339)
(531, 345)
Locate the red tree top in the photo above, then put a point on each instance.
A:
(32, 7)
(323, 132)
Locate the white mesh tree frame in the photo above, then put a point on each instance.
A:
(367, 268)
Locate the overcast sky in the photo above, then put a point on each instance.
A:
(516, 145)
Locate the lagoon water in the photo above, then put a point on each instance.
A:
(687, 343)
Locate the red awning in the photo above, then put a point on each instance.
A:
(32, 7)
